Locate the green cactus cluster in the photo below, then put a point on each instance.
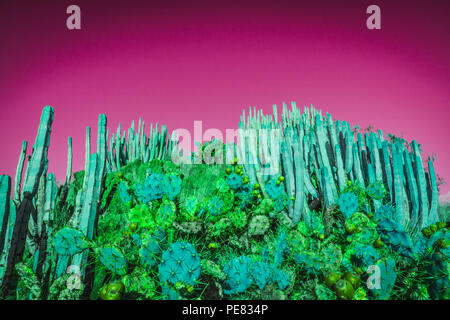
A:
(303, 207)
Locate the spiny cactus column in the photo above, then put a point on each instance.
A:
(89, 209)
(288, 166)
(69, 160)
(87, 155)
(19, 171)
(387, 168)
(421, 186)
(36, 166)
(331, 145)
(90, 196)
(101, 148)
(7, 241)
(401, 216)
(5, 191)
(433, 216)
(328, 173)
(412, 185)
(342, 178)
(300, 209)
(35, 222)
(357, 172)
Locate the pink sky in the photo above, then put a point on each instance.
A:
(204, 61)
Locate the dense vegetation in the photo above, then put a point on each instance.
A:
(203, 232)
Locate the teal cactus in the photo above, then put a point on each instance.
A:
(149, 251)
(385, 212)
(68, 242)
(234, 181)
(311, 262)
(123, 191)
(238, 272)
(281, 249)
(365, 256)
(69, 160)
(35, 168)
(19, 171)
(215, 206)
(395, 236)
(440, 282)
(5, 191)
(190, 207)
(113, 260)
(348, 204)
(281, 278)
(152, 189)
(171, 186)
(387, 278)
(180, 263)
(422, 186)
(166, 213)
(261, 273)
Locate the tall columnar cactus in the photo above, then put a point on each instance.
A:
(5, 191)
(412, 185)
(101, 149)
(357, 172)
(327, 174)
(87, 155)
(69, 160)
(341, 176)
(348, 151)
(36, 167)
(387, 167)
(89, 209)
(332, 155)
(7, 241)
(19, 172)
(433, 216)
(421, 186)
(300, 209)
(401, 215)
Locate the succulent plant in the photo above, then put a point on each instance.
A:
(261, 273)
(385, 211)
(234, 181)
(113, 260)
(151, 249)
(393, 234)
(180, 263)
(123, 192)
(69, 241)
(348, 204)
(215, 206)
(281, 278)
(171, 186)
(364, 256)
(311, 262)
(387, 279)
(190, 207)
(238, 272)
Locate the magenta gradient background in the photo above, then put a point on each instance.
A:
(176, 62)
